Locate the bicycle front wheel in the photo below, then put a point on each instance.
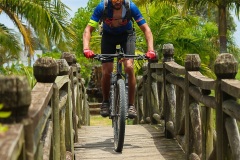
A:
(120, 115)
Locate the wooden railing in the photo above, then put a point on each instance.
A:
(200, 112)
(44, 120)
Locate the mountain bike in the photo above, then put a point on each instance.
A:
(118, 95)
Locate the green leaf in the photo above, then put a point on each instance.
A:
(3, 128)
(5, 114)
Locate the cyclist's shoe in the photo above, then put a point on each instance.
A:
(104, 109)
(132, 112)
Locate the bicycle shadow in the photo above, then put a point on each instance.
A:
(107, 146)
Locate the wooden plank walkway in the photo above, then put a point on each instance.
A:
(141, 142)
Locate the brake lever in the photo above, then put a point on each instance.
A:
(141, 57)
(99, 57)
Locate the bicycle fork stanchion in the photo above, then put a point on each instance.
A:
(127, 96)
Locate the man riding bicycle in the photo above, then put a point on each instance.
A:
(117, 29)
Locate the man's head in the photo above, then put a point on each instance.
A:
(117, 4)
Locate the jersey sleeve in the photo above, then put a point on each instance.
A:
(96, 16)
(137, 15)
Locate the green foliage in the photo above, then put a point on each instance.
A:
(9, 45)
(80, 21)
(190, 32)
(4, 114)
(19, 69)
(40, 23)
(238, 74)
(55, 55)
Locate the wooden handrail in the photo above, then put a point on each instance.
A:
(182, 94)
(47, 129)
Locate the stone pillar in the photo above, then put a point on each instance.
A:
(15, 95)
(69, 57)
(168, 52)
(225, 67)
(192, 63)
(45, 69)
(63, 67)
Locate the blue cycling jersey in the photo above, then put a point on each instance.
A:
(109, 24)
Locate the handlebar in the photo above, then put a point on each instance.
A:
(101, 57)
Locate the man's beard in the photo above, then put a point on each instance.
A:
(117, 7)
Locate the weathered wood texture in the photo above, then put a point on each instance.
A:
(50, 124)
(141, 142)
(12, 143)
(184, 86)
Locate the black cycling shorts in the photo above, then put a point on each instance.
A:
(126, 40)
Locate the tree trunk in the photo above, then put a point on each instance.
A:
(222, 27)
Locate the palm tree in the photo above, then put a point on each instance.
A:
(45, 19)
(9, 46)
(223, 7)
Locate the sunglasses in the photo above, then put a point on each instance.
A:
(114, 1)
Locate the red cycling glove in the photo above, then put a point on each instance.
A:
(151, 55)
(88, 53)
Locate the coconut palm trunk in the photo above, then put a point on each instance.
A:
(222, 28)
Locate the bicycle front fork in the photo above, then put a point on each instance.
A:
(113, 80)
(126, 90)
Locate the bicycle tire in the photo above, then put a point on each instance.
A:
(119, 119)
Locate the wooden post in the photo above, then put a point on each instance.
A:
(63, 70)
(56, 123)
(71, 60)
(149, 94)
(81, 104)
(78, 96)
(15, 95)
(69, 57)
(69, 125)
(225, 68)
(45, 69)
(73, 106)
(192, 63)
(63, 67)
(146, 116)
(168, 52)
(207, 129)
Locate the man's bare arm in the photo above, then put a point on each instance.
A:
(87, 36)
(148, 36)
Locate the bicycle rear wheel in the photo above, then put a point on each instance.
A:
(120, 115)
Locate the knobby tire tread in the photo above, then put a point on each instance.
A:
(121, 120)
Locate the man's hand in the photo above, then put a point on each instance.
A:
(151, 55)
(88, 53)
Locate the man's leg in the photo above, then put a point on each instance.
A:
(131, 80)
(105, 83)
(107, 68)
(129, 69)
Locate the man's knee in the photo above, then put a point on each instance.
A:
(129, 70)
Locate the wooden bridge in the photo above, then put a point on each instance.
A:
(182, 113)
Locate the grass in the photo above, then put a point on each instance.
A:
(97, 120)
(238, 75)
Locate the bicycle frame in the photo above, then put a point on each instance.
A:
(118, 96)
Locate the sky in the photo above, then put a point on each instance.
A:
(75, 4)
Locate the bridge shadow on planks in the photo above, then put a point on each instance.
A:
(141, 142)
